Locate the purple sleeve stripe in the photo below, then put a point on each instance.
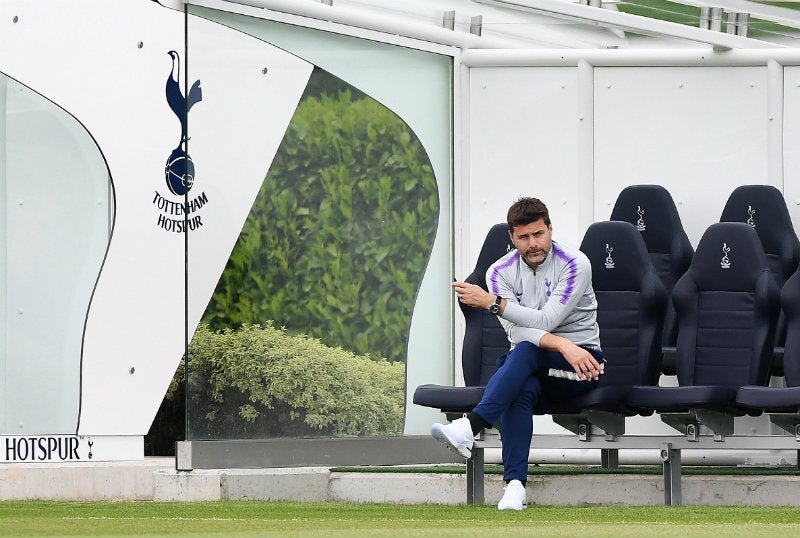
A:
(493, 287)
(573, 271)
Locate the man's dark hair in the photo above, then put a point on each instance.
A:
(527, 210)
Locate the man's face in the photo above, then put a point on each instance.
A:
(533, 241)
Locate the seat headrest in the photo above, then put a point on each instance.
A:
(652, 210)
(496, 245)
(764, 208)
(729, 257)
(618, 256)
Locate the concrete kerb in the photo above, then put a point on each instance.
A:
(305, 484)
(96, 481)
(319, 484)
(316, 484)
(156, 479)
(298, 484)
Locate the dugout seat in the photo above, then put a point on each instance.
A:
(484, 338)
(651, 209)
(727, 306)
(782, 403)
(631, 303)
(764, 208)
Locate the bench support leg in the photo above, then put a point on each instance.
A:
(475, 477)
(609, 458)
(671, 458)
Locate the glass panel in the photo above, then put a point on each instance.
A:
(55, 218)
(310, 330)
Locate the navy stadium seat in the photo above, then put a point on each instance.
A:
(484, 338)
(779, 400)
(631, 303)
(764, 208)
(727, 305)
(652, 210)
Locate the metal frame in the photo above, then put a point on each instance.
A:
(669, 445)
(467, 29)
(776, 14)
(389, 29)
(630, 23)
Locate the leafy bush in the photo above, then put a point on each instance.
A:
(339, 236)
(257, 382)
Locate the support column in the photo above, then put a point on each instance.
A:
(671, 458)
(609, 458)
(585, 150)
(475, 477)
(775, 97)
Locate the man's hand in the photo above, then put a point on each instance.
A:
(584, 364)
(472, 295)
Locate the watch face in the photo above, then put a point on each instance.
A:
(494, 308)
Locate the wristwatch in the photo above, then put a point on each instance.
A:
(494, 308)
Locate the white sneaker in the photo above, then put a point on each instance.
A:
(457, 436)
(514, 497)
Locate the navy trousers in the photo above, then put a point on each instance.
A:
(520, 388)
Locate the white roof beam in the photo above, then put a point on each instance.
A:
(630, 57)
(371, 21)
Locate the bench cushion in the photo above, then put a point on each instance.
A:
(608, 398)
(681, 399)
(449, 399)
(769, 399)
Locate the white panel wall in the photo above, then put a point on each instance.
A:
(698, 131)
(523, 141)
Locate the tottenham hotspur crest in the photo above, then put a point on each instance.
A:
(725, 263)
(179, 170)
(176, 212)
(640, 225)
(609, 259)
(750, 212)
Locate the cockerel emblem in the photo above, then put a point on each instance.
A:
(179, 170)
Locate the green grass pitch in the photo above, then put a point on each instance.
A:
(255, 518)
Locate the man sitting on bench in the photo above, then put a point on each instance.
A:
(542, 293)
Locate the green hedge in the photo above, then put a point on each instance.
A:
(339, 237)
(258, 382)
